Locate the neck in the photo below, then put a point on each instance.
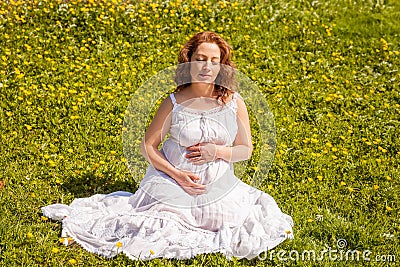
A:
(202, 89)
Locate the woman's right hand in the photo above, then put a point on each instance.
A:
(187, 181)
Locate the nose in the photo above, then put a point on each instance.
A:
(207, 65)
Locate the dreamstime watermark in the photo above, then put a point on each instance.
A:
(330, 254)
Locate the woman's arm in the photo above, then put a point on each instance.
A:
(242, 146)
(154, 135)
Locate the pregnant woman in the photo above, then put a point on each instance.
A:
(190, 201)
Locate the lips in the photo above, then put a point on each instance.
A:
(205, 75)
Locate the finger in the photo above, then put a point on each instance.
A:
(199, 186)
(199, 162)
(194, 191)
(193, 148)
(194, 178)
(193, 154)
(197, 191)
(195, 158)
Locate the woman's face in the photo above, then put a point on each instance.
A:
(204, 66)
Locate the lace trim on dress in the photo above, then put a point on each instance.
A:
(231, 105)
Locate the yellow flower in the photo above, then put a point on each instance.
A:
(72, 261)
(28, 127)
(376, 187)
(118, 245)
(44, 218)
(342, 183)
(310, 220)
(388, 208)
(319, 177)
(151, 251)
(54, 250)
(29, 235)
(288, 232)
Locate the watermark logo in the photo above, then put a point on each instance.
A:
(330, 254)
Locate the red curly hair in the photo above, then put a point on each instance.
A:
(224, 83)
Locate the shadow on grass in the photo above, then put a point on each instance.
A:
(88, 184)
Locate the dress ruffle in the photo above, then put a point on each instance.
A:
(108, 225)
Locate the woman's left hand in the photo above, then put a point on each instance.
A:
(202, 153)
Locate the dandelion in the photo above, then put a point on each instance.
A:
(375, 187)
(118, 245)
(288, 232)
(44, 218)
(310, 220)
(54, 250)
(329, 144)
(388, 208)
(72, 261)
(29, 235)
(151, 252)
(319, 177)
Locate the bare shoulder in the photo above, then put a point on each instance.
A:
(167, 103)
(240, 102)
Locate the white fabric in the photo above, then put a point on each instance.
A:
(161, 220)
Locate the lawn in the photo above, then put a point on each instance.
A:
(329, 71)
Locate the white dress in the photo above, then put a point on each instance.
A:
(161, 220)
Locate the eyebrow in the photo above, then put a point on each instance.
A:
(206, 56)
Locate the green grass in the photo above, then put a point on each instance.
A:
(328, 69)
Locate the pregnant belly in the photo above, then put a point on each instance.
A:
(208, 172)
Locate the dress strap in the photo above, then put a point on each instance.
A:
(172, 96)
(235, 95)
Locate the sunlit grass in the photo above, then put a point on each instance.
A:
(328, 69)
